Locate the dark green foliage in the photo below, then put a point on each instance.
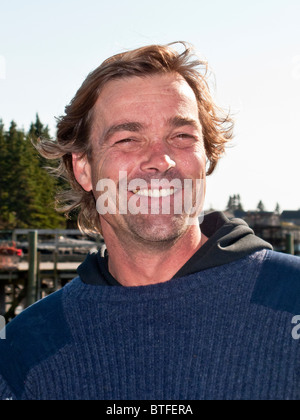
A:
(261, 206)
(234, 203)
(27, 191)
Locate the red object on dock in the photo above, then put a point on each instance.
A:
(9, 256)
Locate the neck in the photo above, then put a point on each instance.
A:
(135, 264)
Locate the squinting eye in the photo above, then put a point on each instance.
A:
(185, 136)
(124, 141)
(183, 140)
(128, 145)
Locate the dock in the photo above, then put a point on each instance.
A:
(50, 259)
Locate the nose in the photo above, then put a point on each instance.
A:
(157, 160)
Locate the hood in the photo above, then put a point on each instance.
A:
(228, 240)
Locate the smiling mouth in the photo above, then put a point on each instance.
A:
(155, 193)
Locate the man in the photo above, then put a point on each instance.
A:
(174, 309)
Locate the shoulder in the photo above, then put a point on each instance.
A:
(278, 283)
(41, 325)
(36, 334)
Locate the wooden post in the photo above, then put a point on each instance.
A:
(290, 246)
(2, 298)
(33, 268)
(55, 272)
(38, 275)
(55, 261)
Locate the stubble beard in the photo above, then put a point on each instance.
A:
(156, 230)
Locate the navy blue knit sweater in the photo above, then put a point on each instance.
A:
(222, 333)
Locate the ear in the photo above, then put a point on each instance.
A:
(82, 171)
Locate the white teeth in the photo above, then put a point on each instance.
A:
(155, 193)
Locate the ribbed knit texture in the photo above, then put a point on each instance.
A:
(194, 338)
(5, 392)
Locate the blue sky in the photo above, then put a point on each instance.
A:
(48, 47)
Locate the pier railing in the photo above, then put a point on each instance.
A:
(50, 259)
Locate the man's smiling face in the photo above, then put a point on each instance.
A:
(149, 128)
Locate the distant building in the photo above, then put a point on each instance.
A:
(273, 227)
(262, 218)
(291, 216)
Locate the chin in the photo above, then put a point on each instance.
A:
(158, 229)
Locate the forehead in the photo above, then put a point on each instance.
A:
(139, 95)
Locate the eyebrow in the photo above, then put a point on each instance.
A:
(134, 127)
(178, 122)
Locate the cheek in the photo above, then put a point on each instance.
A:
(201, 158)
(109, 166)
(193, 165)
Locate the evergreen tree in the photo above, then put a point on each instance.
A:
(36, 131)
(239, 203)
(27, 191)
(229, 204)
(234, 203)
(261, 206)
(14, 176)
(45, 216)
